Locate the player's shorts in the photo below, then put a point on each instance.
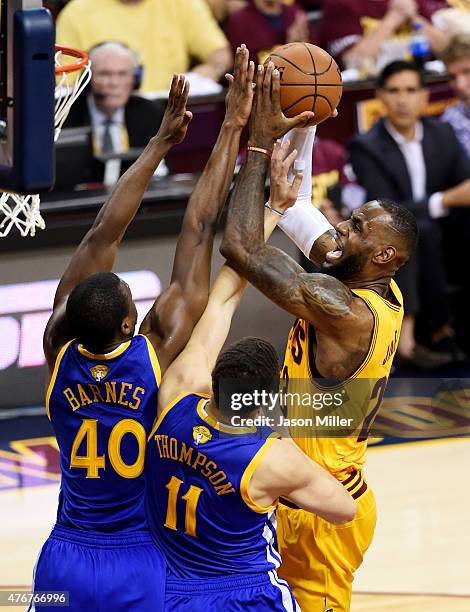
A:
(118, 572)
(319, 559)
(255, 592)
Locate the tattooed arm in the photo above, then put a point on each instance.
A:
(318, 298)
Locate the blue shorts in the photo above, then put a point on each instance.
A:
(239, 593)
(101, 571)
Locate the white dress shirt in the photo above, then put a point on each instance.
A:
(98, 123)
(412, 151)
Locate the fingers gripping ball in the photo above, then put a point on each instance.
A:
(310, 80)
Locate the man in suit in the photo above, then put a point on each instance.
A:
(419, 163)
(119, 120)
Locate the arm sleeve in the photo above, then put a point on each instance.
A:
(303, 223)
(203, 33)
(303, 140)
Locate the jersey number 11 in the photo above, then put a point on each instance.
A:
(191, 498)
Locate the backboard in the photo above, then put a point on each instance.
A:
(27, 86)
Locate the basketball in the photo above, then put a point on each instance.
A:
(310, 80)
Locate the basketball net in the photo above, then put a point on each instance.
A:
(72, 76)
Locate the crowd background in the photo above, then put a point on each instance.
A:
(397, 47)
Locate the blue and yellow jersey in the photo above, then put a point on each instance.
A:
(102, 408)
(198, 505)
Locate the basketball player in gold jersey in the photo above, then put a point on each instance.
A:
(348, 324)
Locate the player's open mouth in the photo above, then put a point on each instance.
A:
(333, 256)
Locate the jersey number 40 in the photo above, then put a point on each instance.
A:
(93, 462)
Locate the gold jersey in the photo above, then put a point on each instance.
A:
(359, 397)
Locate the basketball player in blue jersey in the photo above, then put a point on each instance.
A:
(212, 488)
(102, 394)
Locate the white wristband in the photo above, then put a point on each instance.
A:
(304, 224)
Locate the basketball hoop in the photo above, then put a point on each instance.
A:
(70, 85)
(73, 73)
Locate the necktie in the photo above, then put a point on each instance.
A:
(107, 142)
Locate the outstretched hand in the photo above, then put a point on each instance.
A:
(239, 98)
(176, 118)
(268, 123)
(283, 194)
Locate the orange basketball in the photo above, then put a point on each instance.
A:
(310, 80)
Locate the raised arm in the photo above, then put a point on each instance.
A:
(318, 298)
(304, 224)
(97, 251)
(171, 320)
(191, 370)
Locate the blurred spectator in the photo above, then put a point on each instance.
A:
(166, 34)
(329, 161)
(436, 5)
(119, 120)
(454, 18)
(355, 32)
(218, 8)
(401, 158)
(265, 24)
(457, 60)
(233, 6)
(222, 8)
